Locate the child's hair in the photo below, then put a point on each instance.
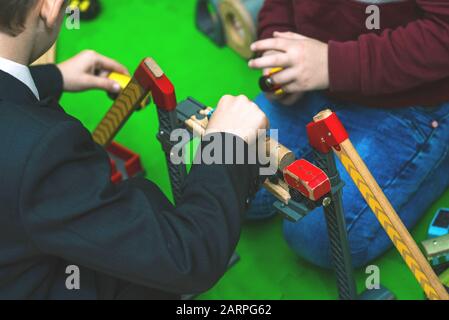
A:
(13, 14)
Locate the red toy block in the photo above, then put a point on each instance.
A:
(124, 163)
(308, 179)
(327, 133)
(151, 77)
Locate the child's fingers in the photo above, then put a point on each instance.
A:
(279, 60)
(95, 82)
(284, 77)
(278, 44)
(266, 71)
(111, 65)
(290, 88)
(103, 73)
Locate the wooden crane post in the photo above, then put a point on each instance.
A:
(326, 134)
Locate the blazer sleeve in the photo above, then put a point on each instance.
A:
(48, 80)
(130, 231)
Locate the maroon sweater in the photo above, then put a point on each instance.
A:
(405, 63)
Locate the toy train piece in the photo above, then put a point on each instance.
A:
(436, 250)
(308, 179)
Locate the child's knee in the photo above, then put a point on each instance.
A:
(310, 240)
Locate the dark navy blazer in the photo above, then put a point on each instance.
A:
(59, 208)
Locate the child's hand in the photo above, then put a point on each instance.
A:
(304, 60)
(239, 116)
(286, 99)
(89, 70)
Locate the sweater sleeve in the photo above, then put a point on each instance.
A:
(396, 60)
(275, 15)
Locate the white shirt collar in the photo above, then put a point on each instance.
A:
(20, 72)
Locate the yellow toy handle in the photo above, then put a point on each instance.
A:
(123, 80)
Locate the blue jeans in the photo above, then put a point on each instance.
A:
(406, 154)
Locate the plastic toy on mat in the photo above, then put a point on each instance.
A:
(436, 250)
(89, 9)
(231, 22)
(440, 224)
(208, 21)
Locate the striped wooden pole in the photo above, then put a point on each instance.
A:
(385, 213)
